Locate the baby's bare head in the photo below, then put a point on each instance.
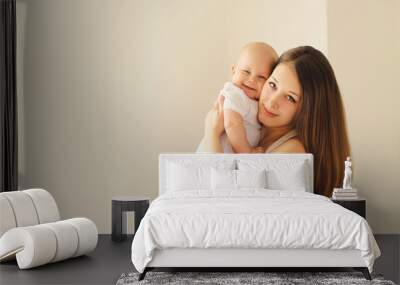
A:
(255, 64)
(261, 51)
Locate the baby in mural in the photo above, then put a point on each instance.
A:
(242, 130)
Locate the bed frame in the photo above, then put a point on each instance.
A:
(248, 259)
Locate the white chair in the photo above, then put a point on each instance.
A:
(31, 230)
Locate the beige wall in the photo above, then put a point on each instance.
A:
(108, 85)
(364, 49)
(284, 24)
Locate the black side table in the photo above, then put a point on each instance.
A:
(358, 206)
(124, 204)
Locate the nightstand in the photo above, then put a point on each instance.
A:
(122, 204)
(358, 206)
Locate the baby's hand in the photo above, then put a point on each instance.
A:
(214, 122)
(258, 149)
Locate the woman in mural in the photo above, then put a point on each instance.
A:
(301, 111)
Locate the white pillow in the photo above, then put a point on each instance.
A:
(289, 179)
(237, 179)
(193, 174)
(281, 174)
(223, 179)
(188, 177)
(251, 178)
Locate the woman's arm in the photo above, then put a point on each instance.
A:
(214, 127)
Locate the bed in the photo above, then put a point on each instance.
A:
(245, 211)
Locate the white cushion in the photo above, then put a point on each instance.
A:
(292, 179)
(45, 205)
(281, 174)
(223, 179)
(251, 178)
(23, 208)
(186, 175)
(7, 215)
(87, 233)
(67, 239)
(237, 179)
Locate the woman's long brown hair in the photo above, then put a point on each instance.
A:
(320, 122)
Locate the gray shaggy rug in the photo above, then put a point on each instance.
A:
(225, 278)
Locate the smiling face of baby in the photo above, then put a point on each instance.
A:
(253, 67)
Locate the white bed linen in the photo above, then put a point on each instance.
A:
(250, 218)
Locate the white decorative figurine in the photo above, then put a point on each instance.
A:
(347, 174)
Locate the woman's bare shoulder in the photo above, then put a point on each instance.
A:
(291, 146)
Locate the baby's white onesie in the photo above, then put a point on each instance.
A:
(236, 100)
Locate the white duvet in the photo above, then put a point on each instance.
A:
(250, 218)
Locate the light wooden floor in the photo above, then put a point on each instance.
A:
(110, 260)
